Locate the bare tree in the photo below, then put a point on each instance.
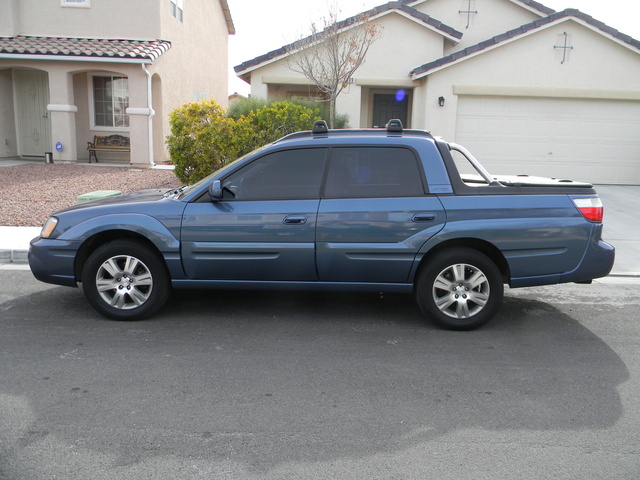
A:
(332, 53)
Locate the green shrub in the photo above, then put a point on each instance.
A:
(244, 106)
(342, 120)
(278, 119)
(204, 139)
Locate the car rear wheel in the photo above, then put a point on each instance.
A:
(459, 289)
(124, 280)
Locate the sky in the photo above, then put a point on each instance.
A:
(265, 25)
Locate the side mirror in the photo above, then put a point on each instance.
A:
(215, 191)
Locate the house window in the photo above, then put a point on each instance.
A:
(76, 3)
(110, 101)
(177, 9)
(199, 96)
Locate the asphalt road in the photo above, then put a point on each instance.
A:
(319, 386)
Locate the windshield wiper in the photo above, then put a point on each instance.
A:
(175, 191)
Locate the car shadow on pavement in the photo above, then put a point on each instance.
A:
(264, 379)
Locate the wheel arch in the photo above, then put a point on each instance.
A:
(95, 241)
(483, 246)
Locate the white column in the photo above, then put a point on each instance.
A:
(62, 113)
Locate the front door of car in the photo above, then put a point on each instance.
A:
(263, 228)
(374, 216)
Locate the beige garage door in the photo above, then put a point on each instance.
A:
(596, 141)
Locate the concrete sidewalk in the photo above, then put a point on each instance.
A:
(621, 229)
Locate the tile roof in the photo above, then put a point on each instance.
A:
(401, 5)
(569, 12)
(64, 48)
(529, 3)
(537, 6)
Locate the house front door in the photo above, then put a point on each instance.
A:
(390, 106)
(34, 125)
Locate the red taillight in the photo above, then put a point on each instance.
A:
(590, 208)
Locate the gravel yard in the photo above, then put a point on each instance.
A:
(30, 193)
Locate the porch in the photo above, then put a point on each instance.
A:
(57, 102)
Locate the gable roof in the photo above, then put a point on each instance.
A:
(520, 31)
(537, 6)
(87, 49)
(528, 4)
(397, 6)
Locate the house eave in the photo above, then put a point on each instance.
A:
(227, 17)
(534, 7)
(69, 58)
(449, 37)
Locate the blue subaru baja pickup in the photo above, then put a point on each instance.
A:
(383, 210)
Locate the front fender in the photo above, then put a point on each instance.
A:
(164, 237)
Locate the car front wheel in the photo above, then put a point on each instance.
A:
(124, 280)
(459, 289)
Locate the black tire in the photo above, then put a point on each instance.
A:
(125, 280)
(459, 288)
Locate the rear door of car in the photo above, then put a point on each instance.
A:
(263, 228)
(375, 215)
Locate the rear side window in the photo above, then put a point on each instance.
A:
(283, 175)
(356, 172)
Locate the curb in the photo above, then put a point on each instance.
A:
(13, 257)
(14, 244)
(18, 256)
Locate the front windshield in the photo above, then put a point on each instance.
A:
(190, 188)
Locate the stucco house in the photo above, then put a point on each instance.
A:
(529, 90)
(74, 69)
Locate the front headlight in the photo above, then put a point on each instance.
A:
(48, 227)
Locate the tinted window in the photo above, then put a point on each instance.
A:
(373, 172)
(288, 174)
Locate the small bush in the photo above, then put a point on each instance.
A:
(342, 120)
(244, 106)
(204, 139)
(281, 118)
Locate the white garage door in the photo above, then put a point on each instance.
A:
(596, 141)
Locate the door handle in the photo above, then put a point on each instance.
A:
(295, 219)
(424, 217)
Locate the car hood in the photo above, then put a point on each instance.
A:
(129, 198)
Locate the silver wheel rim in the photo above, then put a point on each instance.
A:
(124, 282)
(461, 291)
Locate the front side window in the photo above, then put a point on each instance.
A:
(110, 101)
(361, 172)
(283, 175)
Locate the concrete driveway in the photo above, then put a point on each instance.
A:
(622, 226)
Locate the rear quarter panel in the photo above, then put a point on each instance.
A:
(539, 235)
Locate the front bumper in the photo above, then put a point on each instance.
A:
(52, 261)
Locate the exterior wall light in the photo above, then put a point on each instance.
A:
(441, 101)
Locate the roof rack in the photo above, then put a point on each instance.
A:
(394, 126)
(320, 129)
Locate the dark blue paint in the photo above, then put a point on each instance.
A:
(372, 244)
